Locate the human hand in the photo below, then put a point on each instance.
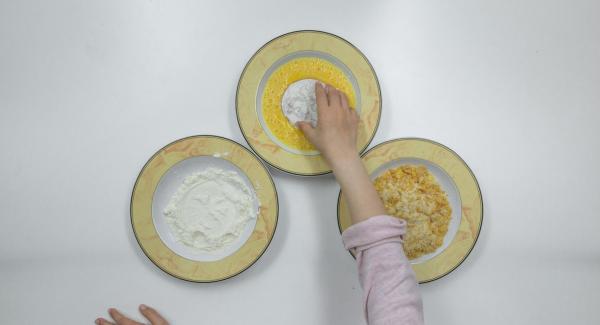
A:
(335, 137)
(336, 131)
(152, 315)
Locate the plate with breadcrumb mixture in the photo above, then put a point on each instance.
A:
(276, 89)
(430, 187)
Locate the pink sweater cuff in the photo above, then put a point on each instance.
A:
(374, 231)
(390, 292)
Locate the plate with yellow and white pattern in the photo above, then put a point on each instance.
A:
(290, 58)
(159, 179)
(440, 180)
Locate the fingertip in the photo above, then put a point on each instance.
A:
(334, 96)
(343, 100)
(114, 313)
(305, 127)
(152, 315)
(344, 97)
(321, 95)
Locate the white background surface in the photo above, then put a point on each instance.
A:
(90, 90)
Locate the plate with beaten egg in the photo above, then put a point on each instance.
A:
(204, 208)
(276, 89)
(430, 187)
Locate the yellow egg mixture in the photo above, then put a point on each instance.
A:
(288, 73)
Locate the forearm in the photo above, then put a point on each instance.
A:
(391, 295)
(361, 197)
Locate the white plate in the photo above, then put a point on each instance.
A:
(167, 187)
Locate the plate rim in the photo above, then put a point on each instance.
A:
(470, 172)
(280, 168)
(204, 136)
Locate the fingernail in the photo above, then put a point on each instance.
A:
(143, 307)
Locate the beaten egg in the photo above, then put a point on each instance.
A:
(288, 73)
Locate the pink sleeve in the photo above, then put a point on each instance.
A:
(391, 295)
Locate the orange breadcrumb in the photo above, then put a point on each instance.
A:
(413, 194)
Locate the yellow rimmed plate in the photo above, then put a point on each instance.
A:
(455, 178)
(158, 180)
(304, 44)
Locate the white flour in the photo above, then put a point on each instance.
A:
(210, 209)
(299, 102)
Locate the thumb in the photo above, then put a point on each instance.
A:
(306, 128)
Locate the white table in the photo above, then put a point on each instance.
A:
(90, 90)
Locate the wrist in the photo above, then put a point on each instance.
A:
(348, 169)
(342, 159)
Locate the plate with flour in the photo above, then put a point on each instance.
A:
(433, 190)
(276, 90)
(204, 208)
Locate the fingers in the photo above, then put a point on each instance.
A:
(333, 96)
(344, 100)
(307, 129)
(116, 315)
(355, 115)
(321, 96)
(350, 113)
(120, 319)
(102, 321)
(153, 316)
